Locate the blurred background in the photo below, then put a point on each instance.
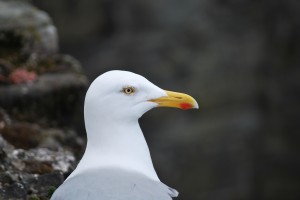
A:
(239, 59)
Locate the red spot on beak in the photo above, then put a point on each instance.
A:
(185, 106)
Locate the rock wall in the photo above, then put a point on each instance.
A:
(41, 91)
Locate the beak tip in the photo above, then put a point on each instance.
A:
(196, 106)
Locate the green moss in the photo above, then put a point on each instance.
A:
(51, 190)
(34, 197)
(34, 32)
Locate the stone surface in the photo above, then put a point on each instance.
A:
(34, 160)
(25, 30)
(34, 172)
(51, 98)
(41, 93)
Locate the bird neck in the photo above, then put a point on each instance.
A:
(116, 144)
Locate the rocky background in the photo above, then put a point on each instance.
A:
(41, 97)
(239, 59)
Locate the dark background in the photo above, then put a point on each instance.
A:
(239, 58)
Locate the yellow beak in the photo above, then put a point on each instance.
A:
(176, 100)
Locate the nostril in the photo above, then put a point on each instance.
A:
(178, 97)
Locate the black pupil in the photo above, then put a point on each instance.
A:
(128, 90)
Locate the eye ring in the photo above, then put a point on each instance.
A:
(128, 90)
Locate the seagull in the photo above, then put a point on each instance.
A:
(117, 164)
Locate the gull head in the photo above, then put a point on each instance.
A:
(122, 95)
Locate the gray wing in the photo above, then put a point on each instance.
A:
(113, 184)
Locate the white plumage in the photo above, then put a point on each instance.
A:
(117, 162)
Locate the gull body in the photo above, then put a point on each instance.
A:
(117, 164)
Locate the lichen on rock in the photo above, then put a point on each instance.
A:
(40, 93)
(33, 171)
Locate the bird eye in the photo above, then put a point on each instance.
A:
(128, 90)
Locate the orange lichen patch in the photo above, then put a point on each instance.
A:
(41, 167)
(19, 76)
(22, 135)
